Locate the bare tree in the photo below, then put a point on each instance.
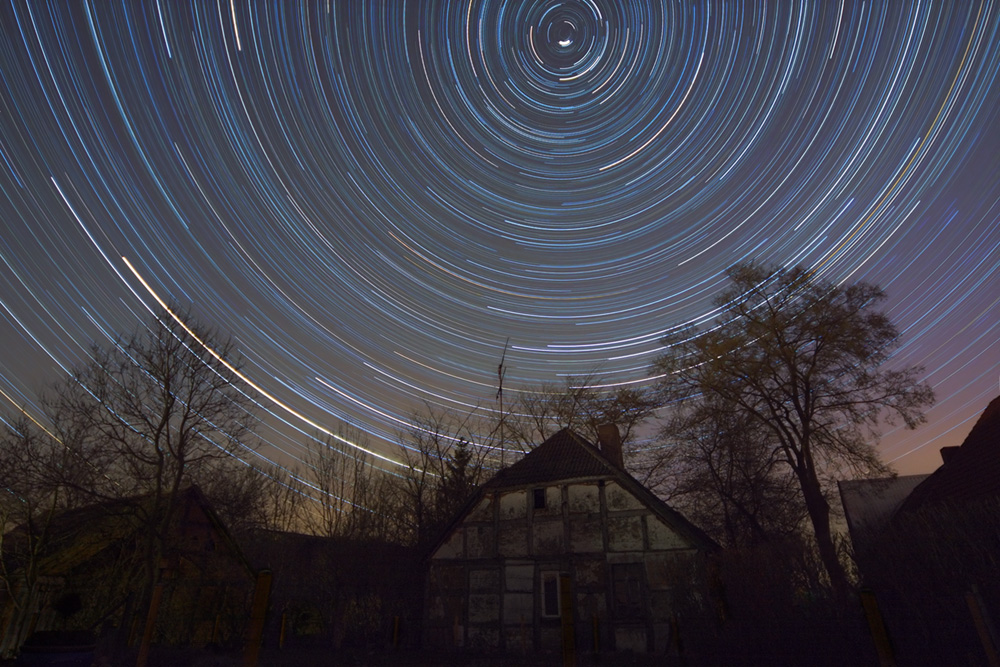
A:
(352, 496)
(447, 457)
(726, 472)
(157, 409)
(284, 498)
(806, 360)
(582, 405)
(38, 484)
(255, 496)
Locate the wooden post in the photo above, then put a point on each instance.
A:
(147, 632)
(880, 635)
(981, 620)
(597, 634)
(566, 612)
(133, 631)
(675, 635)
(258, 614)
(5, 627)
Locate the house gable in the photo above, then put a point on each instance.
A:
(565, 461)
(562, 516)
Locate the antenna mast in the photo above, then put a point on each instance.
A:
(501, 371)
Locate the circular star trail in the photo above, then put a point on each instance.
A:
(372, 197)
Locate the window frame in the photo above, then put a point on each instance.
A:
(552, 578)
(538, 500)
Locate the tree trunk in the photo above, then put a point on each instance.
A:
(819, 515)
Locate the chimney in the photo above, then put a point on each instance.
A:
(610, 441)
(948, 453)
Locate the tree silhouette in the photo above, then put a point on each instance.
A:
(807, 361)
(157, 410)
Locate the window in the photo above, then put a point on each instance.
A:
(627, 589)
(539, 497)
(550, 594)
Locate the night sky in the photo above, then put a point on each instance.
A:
(372, 197)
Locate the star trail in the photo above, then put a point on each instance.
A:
(372, 197)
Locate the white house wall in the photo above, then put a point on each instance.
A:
(620, 499)
(513, 505)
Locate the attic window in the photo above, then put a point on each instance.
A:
(539, 497)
